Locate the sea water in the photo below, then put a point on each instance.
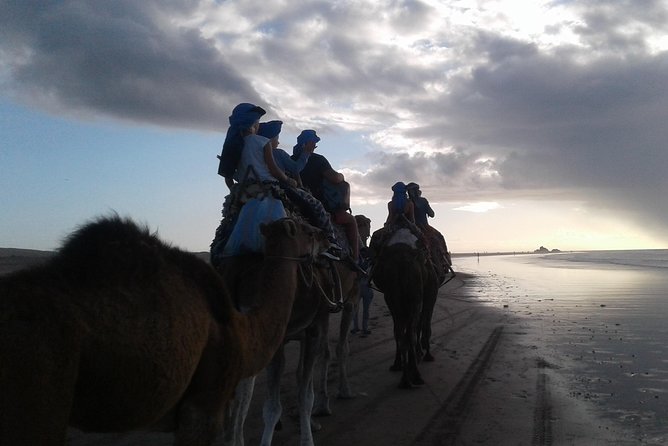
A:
(603, 315)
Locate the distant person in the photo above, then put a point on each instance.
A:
(436, 242)
(365, 291)
(400, 206)
(319, 174)
(420, 204)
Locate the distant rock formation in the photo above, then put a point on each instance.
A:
(544, 250)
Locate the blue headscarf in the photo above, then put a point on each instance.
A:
(243, 117)
(304, 137)
(399, 197)
(270, 129)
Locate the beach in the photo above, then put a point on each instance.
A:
(600, 317)
(530, 350)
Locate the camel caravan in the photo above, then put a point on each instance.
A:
(119, 331)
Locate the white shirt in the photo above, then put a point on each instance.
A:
(253, 155)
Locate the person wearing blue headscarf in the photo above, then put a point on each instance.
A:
(317, 173)
(292, 167)
(308, 205)
(400, 205)
(245, 152)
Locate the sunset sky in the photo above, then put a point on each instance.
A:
(526, 123)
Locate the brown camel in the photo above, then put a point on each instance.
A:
(120, 332)
(409, 284)
(350, 282)
(309, 323)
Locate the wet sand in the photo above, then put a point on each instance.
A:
(497, 380)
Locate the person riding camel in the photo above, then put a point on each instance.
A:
(250, 171)
(399, 206)
(421, 205)
(434, 238)
(317, 175)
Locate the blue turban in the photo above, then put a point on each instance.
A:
(243, 117)
(304, 137)
(270, 129)
(399, 197)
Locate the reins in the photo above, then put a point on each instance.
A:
(336, 304)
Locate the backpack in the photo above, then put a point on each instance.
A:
(335, 196)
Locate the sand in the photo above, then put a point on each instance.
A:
(495, 381)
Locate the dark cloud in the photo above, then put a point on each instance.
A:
(123, 59)
(471, 113)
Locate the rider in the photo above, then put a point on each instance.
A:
(317, 170)
(422, 210)
(399, 206)
(421, 204)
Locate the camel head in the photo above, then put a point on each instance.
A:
(291, 238)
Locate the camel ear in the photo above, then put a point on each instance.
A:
(289, 226)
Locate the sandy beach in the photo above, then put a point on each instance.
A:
(501, 377)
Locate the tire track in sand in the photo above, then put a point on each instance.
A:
(445, 424)
(542, 417)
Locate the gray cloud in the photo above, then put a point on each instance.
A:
(483, 114)
(123, 59)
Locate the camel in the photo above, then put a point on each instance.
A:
(350, 290)
(409, 284)
(309, 323)
(119, 331)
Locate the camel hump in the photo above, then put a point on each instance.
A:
(113, 250)
(109, 247)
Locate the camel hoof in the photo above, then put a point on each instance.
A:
(395, 368)
(322, 412)
(315, 426)
(428, 357)
(405, 384)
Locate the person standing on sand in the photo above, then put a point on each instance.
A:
(365, 291)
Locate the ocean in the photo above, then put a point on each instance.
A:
(602, 318)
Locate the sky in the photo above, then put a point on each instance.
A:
(526, 123)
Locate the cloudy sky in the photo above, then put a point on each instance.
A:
(526, 123)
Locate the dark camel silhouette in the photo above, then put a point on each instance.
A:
(119, 332)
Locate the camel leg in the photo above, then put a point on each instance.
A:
(235, 416)
(271, 411)
(425, 327)
(398, 336)
(411, 367)
(321, 405)
(411, 370)
(311, 348)
(343, 351)
(196, 426)
(37, 383)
